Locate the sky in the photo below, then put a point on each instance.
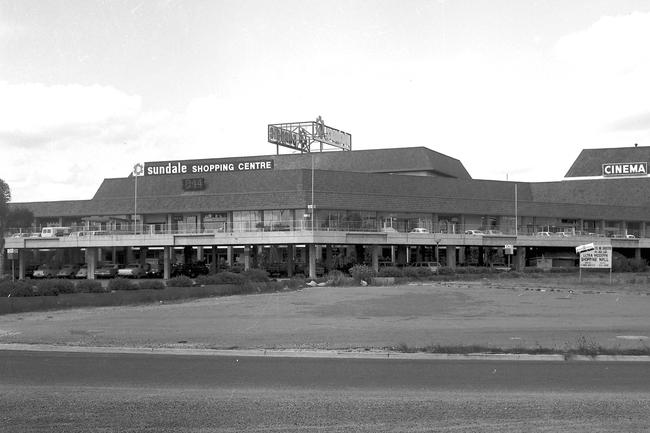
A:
(513, 89)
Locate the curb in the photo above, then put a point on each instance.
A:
(326, 354)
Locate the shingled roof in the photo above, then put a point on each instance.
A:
(590, 161)
(404, 160)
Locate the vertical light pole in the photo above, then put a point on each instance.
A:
(516, 220)
(313, 213)
(138, 170)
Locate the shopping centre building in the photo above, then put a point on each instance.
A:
(311, 212)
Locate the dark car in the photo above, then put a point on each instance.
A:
(108, 270)
(191, 270)
(68, 271)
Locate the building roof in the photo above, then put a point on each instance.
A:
(405, 160)
(289, 186)
(590, 161)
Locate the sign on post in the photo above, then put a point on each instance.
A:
(598, 258)
(583, 248)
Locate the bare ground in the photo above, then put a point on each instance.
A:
(550, 311)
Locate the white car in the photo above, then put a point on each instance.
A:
(133, 270)
(419, 230)
(45, 271)
(474, 232)
(545, 234)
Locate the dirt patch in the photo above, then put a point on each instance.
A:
(552, 312)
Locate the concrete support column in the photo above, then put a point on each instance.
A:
(213, 262)
(451, 256)
(247, 257)
(169, 223)
(129, 255)
(199, 254)
(143, 256)
(312, 260)
(642, 229)
(167, 262)
(21, 264)
(229, 255)
(520, 258)
(434, 222)
(462, 255)
(328, 257)
(375, 257)
(91, 262)
(291, 253)
(603, 224)
(637, 253)
(401, 255)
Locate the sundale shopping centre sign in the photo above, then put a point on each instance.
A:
(611, 169)
(205, 166)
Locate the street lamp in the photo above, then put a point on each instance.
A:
(138, 170)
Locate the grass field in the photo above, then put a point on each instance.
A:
(547, 311)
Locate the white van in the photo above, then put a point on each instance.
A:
(51, 232)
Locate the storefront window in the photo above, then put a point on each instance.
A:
(278, 220)
(246, 221)
(215, 222)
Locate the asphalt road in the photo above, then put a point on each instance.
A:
(75, 392)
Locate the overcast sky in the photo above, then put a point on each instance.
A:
(513, 89)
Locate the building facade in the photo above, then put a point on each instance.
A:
(313, 212)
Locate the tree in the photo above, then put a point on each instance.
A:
(5, 197)
(20, 218)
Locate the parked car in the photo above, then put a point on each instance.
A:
(68, 271)
(156, 270)
(133, 270)
(107, 270)
(493, 232)
(545, 234)
(82, 272)
(191, 270)
(45, 271)
(419, 230)
(474, 232)
(29, 271)
(624, 237)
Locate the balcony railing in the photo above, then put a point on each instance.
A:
(303, 225)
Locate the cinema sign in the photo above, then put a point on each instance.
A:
(612, 169)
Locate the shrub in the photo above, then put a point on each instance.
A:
(121, 284)
(256, 275)
(180, 281)
(390, 271)
(46, 288)
(90, 286)
(638, 265)
(228, 278)
(16, 288)
(361, 273)
(54, 287)
(151, 285)
(296, 282)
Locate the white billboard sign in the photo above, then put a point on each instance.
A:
(586, 247)
(600, 257)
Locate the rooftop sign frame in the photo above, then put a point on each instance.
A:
(301, 136)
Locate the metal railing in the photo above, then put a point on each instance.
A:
(303, 225)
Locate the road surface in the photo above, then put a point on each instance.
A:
(82, 392)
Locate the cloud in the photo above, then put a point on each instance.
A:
(35, 111)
